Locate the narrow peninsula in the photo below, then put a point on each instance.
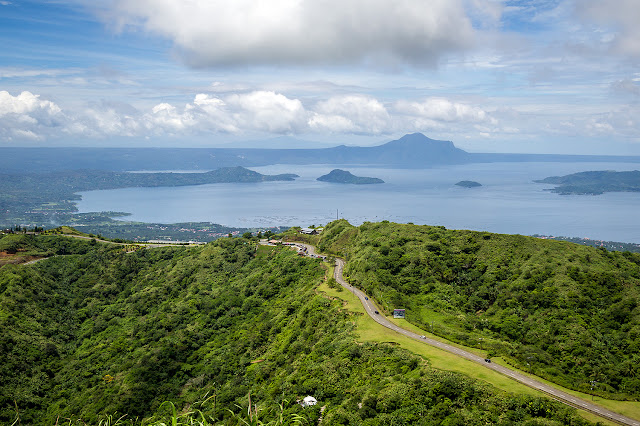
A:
(343, 176)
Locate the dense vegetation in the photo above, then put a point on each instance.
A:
(566, 312)
(343, 176)
(595, 182)
(42, 198)
(609, 245)
(86, 335)
(19, 248)
(138, 231)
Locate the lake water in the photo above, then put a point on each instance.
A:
(508, 202)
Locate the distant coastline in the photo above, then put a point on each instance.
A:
(594, 182)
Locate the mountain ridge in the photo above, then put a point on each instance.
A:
(410, 151)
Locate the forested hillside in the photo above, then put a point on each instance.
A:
(566, 312)
(95, 331)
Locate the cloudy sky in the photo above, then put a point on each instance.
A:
(490, 75)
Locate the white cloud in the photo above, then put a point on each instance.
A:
(351, 114)
(599, 127)
(215, 112)
(110, 121)
(236, 113)
(332, 124)
(621, 17)
(622, 122)
(26, 116)
(14, 72)
(625, 87)
(25, 103)
(247, 32)
(165, 118)
(268, 111)
(25, 134)
(29, 117)
(439, 109)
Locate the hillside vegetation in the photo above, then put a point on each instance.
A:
(566, 312)
(19, 248)
(100, 332)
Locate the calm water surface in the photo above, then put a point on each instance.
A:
(508, 201)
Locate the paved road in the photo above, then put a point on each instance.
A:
(141, 244)
(551, 391)
(515, 375)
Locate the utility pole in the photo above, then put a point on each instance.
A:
(336, 214)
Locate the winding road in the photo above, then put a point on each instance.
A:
(553, 392)
(515, 375)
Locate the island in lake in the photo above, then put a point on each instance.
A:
(343, 176)
(595, 182)
(468, 184)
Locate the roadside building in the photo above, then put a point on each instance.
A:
(309, 231)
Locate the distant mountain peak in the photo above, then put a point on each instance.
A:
(415, 136)
(418, 149)
(420, 138)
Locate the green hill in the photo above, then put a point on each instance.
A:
(565, 312)
(98, 332)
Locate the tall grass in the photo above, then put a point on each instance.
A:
(253, 415)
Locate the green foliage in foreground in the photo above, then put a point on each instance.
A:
(88, 336)
(566, 312)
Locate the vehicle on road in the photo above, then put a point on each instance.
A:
(423, 337)
(376, 312)
(487, 360)
(366, 298)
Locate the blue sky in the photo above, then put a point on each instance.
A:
(489, 75)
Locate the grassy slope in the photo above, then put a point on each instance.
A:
(569, 311)
(370, 331)
(106, 331)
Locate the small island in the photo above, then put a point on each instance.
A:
(343, 176)
(468, 184)
(594, 182)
